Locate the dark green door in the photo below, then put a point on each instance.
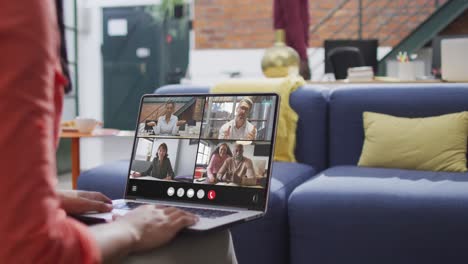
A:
(141, 52)
(131, 46)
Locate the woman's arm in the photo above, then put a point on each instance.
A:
(149, 171)
(209, 169)
(170, 172)
(174, 126)
(157, 127)
(33, 227)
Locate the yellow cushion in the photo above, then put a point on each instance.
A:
(287, 123)
(432, 143)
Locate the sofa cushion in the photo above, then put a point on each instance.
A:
(346, 105)
(436, 143)
(268, 238)
(372, 215)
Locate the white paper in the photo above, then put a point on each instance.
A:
(117, 27)
(143, 52)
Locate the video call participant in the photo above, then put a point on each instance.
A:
(168, 123)
(160, 168)
(239, 127)
(220, 154)
(238, 169)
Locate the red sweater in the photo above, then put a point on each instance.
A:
(33, 227)
(293, 17)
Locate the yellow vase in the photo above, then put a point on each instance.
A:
(280, 60)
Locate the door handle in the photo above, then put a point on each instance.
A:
(143, 68)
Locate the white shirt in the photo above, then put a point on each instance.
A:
(236, 133)
(164, 127)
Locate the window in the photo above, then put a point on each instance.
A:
(204, 152)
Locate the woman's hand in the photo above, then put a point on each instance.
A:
(168, 178)
(79, 202)
(211, 178)
(135, 174)
(153, 226)
(181, 122)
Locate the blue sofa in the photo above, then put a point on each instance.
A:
(325, 209)
(350, 214)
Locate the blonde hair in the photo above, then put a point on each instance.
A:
(248, 101)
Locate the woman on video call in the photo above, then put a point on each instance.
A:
(160, 168)
(220, 154)
(167, 124)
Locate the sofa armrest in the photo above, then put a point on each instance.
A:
(109, 178)
(310, 103)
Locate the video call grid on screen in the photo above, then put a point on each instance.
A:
(212, 140)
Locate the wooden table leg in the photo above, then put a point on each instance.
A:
(75, 156)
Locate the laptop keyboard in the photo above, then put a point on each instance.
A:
(206, 213)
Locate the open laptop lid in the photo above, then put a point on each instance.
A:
(189, 132)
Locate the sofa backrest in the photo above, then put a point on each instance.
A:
(180, 89)
(310, 104)
(346, 105)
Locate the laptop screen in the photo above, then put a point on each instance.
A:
(210, 149)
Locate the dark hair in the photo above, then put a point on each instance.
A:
(170, 102)
(216, 151)
(164, 146)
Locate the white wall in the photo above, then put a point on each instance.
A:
(68, 16)
(143, 146)
(186, 159)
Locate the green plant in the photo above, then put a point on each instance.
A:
(165, 10)
(167, 7)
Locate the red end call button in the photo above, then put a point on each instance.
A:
(211, 194)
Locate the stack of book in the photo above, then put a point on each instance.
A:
(357, 74)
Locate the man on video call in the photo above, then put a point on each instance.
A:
(239, 127)
(238, 169)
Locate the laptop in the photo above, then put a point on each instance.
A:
(216, 164)
(454, 59)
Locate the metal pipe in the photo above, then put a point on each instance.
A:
(360, 19)
(75, 21)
